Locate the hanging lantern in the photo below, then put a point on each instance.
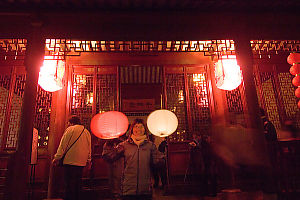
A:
(109, 125)
(296, 81)
(228, 74)
(51, 74)
(295, 69)
(293, 58)
(162, 123)
(297, 92)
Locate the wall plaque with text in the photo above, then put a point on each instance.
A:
(135, 105)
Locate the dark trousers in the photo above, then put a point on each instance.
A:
(160, 170)
(72, 175)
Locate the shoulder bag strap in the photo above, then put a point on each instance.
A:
(73, 143)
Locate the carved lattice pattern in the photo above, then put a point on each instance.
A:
(12, 49)
(4, 93)
(199, 104)
(268, 47)
(42, 115)
(176, 102)
(288, 96)
(66, 47)
(235, 105)
(82, 91)
(106, 92)
(15, 112)
(267, 85)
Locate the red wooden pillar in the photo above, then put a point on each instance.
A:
(35, 51)
(245, 60)
(58, 120)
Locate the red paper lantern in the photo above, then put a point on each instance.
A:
(109, 125)
(293, 58)
(295, 69)
(297, 92)
(296, 81)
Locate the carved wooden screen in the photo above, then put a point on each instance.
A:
(15, 110)
(5, 82)
(176, 101)
(187, 95)
(276, 94)
(12, 85)
(268, 97)
(82, 94)
(42, 115)
(94, 90)
(107, 90)
(198, 89)
(235, 106)
(289, 99)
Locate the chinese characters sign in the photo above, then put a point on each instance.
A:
(138, 105)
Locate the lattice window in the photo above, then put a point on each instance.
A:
(67, 47)
(269, 98)
(42, 115)
(106, 93)
(176, 102)
(4, 93)
(15, 112)
(287, 94)
(199, 104)
(82, 99)
(235, 105)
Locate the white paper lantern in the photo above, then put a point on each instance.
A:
(162, 123)
(228, 73)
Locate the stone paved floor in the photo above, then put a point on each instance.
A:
(257, 195)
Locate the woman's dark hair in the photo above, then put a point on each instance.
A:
(138, 121)
(74, 120)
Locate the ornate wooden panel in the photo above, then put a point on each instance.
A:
(235, 105)
(288, 97)
(12, 91)
(269, 98)
(176, 102)
(82, 97)
(199, 104)
(4, 93)
(106, 93)
(15, 112)
(93, 87)
(42, 115)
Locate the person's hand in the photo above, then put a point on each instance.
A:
(193, 144)
(120, 149)
(55, 162)
(89, 165)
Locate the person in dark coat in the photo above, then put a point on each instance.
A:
(209, 162)
(160, 169)
(115, 167)
(139, 155)
(269, 131)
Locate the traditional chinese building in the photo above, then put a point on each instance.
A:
(135, 57)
